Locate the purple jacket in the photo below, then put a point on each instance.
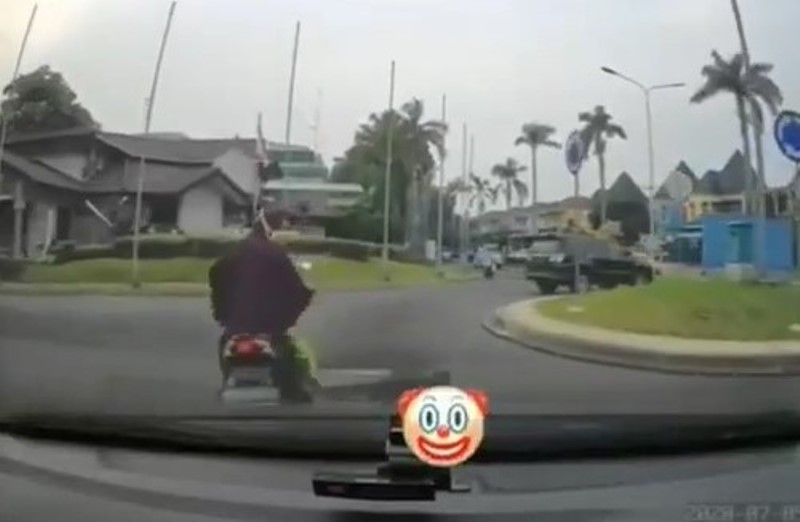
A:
(257, 289)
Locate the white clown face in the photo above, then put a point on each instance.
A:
(443, 425)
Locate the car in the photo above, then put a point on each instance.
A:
(580, 262)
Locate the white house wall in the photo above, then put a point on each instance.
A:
(239, 168)
(201, 211)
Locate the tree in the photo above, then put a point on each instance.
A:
(416, 145)
(508, 174)
(42, 101)
(750, 88)
(425, 138)
(597, 130)
(482, 192)
(536, 135)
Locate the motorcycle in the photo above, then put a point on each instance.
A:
(489, 270)
(259, 363)
(274, 366)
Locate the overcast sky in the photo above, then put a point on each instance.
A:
(500, 62)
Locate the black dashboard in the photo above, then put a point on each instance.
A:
(48, 480)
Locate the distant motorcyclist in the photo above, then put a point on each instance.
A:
(485, 261)
(257, 290)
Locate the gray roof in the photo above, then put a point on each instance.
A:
(683, 168)
(623, 190)
(728, 181)
(38, 172)
(166, 147)
(160, 178)
(174, 163)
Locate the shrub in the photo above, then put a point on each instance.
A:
(11, 269)
(168, 247)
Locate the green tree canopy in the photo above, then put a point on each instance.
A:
(42, 100)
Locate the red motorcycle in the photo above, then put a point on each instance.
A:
(258, 361)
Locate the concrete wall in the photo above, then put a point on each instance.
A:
(200, 211)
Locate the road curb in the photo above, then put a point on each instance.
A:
(504, 325)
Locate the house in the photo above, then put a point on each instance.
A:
(670, 198)
(530, 219)
(627, 205)
(68, 185)
(721, 192)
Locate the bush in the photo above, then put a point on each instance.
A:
(168, 247)
(11, 269)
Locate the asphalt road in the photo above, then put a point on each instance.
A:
(102, 352)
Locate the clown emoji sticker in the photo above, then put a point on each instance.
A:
(443, 425)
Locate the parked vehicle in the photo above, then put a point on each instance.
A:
(580, 262)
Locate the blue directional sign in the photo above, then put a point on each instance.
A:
(787, 134)
(574, 151)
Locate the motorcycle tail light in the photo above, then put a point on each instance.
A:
(246, 347)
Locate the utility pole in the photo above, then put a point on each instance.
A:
(387, 191)
(289, 109)
(464, 197)
(18, 197)
(140, 182)
(470, 168)
(440, 216)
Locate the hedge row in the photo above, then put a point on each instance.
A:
(165, 247)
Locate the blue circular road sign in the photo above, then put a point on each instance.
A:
(574, 151)
(787, 134)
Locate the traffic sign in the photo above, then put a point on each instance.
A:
(574, 151)
(787, 134)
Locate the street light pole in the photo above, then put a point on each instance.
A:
(650, 164)
(14, 75)
(137, 213)
(387, 190)
(290, 101)
(650, 153)
(440, 216)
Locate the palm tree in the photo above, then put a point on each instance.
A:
(508, 174)
(481, 193)
(536, 135)
(750, 87)
(597, 130)
(415, 146)
(422, 136)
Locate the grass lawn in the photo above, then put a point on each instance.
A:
(702, 309)
(187, 275)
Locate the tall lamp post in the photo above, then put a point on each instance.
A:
(646, 90)
(137, 213)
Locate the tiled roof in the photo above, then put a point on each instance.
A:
(39, 172)
(683, 168)
(623, 190)
(169, 147)
(728, 181)
(160, 178)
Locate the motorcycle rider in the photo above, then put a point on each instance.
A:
(256, 290)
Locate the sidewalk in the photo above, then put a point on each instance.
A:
(522, 323)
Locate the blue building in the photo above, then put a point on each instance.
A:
(718, 241)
